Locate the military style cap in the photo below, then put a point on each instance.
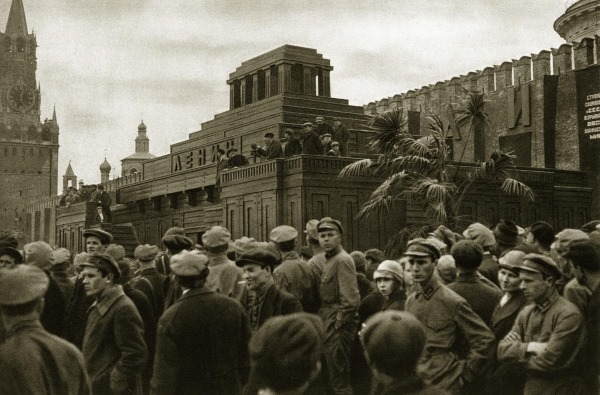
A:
(538, 263)
(102, 262)
(325, 135)
(422, 247)
(40, 254)
(393, 340)
(319, 118)
(22, 284)
(261, 257)
(389, 268)
(480, 234)
(145, 252)
(283, 233)
(186, 264)
(335, 144)
(329, 223)
(305, 124)
(61, 255)
(311, 229)
(12, 252)
(177, 242)
(216, 236)
(105, 237)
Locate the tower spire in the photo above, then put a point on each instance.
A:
(17, 23)
(54, 114)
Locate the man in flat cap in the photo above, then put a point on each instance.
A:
(96, 240)
(293, 275)
(32, 361)
(311, 143)
(322, 127)
(393, 342)
(103, 201)
(113, 346)
(326, 143)
(484, 236)
(264, 299)
(146, 256)
(235, 159)
(335, 150)
(224, 274)
(285, 354)
(293, 146)
(202, 344)
(175, 241)
(339, 304)
(272, 148)
(341, 135)
(548, 334)
(450, 364)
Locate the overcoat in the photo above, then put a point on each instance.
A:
(481, 297)
(202, 346)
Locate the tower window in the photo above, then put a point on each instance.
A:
(20, 44)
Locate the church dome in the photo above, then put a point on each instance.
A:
(142, 126)
(105, 166)
(581, 20)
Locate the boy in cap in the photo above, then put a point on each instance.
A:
(548, 334)
(340, 134)
(96, 240)
(393, 342)
(146, 256)
(266, 300)
(339, 304)
(224, 274)
(113, 346)
(10, 257)
(202, 343)
(293, 274)
(311, 143)
(447, 363)
(292, 145)
(326, 142)
(32, 361)
(335, 150)
(285, 354)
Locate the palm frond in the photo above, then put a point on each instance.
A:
(382, 198)
(511, 186)
(397, 243)
(359, 168)
(386, 131)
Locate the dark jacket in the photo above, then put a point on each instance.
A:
(311, 144)
(503, 318)
(365, 287)
(341, 135)
(481, 297)
(293, 275)
(144, 285)
(63, 281)
(276, 302)
(55, 308)
(157, 281)
(32, 361)
(272, 151)
(293, 147)
(113, 347)
(76, 316)
(323, 129)
(237, 160)
(489, 268)
(202, 346)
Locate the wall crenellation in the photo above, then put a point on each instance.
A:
(555, 61)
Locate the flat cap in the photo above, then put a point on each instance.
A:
(40, 254)
(319, 118)
(512, 260)
(261, 257)
(480, 234)
(186, 264)
(175, 230)
(216, 236)
(590, 226)
(329, 223)
(335, 144)
(244, 244)
(389, 268)
(393, 340)
(232, 149)
(22, 284)
(12, 252)
(145, 252)
(311, 229)
(61, 255)
(102, 262)
(269, 134)
(283, 233)
(566, 236)
(326, 135)
(117, 251)
(177, 242)
(8, 239)
(305, 124)
(285, 350)
(422, 247)
(105, 237)
(288, 131)
(538, 263)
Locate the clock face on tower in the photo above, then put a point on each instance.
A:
(20, 97)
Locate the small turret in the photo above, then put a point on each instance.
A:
(105, 169)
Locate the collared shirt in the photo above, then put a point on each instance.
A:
(256, 305)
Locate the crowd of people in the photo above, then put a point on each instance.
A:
(490, 310)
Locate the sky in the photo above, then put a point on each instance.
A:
(109, 64)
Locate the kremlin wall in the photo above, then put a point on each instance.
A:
(542, 107)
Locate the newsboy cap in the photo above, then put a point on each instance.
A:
(480, 234)
(22, 284)
(307, 124)
(422, 247)
(145, 253)
(105, 237)
(40, 254)
(187, 264)
(177, 242)
(283, 233)
(12, 252)
(216, 236)
(319, 118)
(102, 262)
(326, 135)
(261, 257)
(538, 263)
(232, 149)
(311, 229)
(61, 255)
(270, 135)
(329, 223)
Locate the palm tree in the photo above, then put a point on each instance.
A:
(417, 169)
